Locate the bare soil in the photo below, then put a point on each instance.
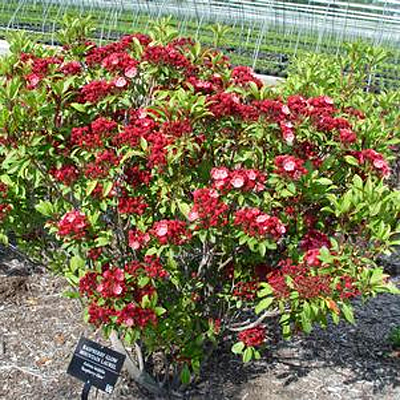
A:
(40, 329)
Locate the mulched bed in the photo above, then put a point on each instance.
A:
(40, 329)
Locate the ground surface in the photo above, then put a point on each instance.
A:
(40, 329)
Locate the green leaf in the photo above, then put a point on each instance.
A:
(262, 248)
(4, 239)
(248, 354)
(90, 187)
(143, 143)
(107, 188)
(76, 263)
(160, 311)
(263, 304)
(237, 348)
(348, 313)
(143, 281)
(351, 160)
(185, 375)
(45, 208)
(79, 107)
(324, 181)
(266, 290)
(102, 241)
(184, 208)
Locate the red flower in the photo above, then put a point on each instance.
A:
(254, 222)
(138, 239)
(242, 76)
(377, 160)
(112, 283)
(67, 174)
(246, 290)
(95, 91)
(208, 209)
(252, 337)
(314, 239)
(74, 224)
(347, 287)
(347, 136)
(100, 315)
(132, 205)
(290, 166)
(311, 258)
(71, 68)
(170, 231)
(154, 268)
(88, 283)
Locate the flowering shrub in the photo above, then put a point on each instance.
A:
(178, 194)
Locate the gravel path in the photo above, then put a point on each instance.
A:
(41, 328)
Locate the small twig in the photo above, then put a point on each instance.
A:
(24, 370)
(240, 327)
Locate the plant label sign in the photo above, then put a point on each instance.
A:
(96, 365)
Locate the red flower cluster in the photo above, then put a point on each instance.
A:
(201, 86)
(89, 137)
(71, 68)
(74, 224)
(311, 258)
(88, 283)
(132, 205)
(244, 179)
(309, 286)
(273, 110)
(254, 222)
(177, 128)
(96, 55)
(289, 166)
(376, 159)
(208, 209)
(154, 268)
(314, 239)
(100, 315)
(167, 55)
(4, 210)
(246, 290)
(158, 149)
(135, 176)
(225, 105)
(95, 91)
(112, 283)
(66, 174)
(120, 62)
(137, 239)
(278, 283)
(347, 287)
(140, 126)
(347, 136)
(170, 231)
(133, 315)
(241, 76)
(252, 337)
(288, 134)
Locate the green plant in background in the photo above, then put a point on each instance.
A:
(220, 32)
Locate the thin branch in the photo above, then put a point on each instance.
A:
(139, 356)
(142, 378)
(267, 314)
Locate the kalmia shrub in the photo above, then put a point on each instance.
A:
(188, 203)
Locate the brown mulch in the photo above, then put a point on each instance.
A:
(40, 329)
